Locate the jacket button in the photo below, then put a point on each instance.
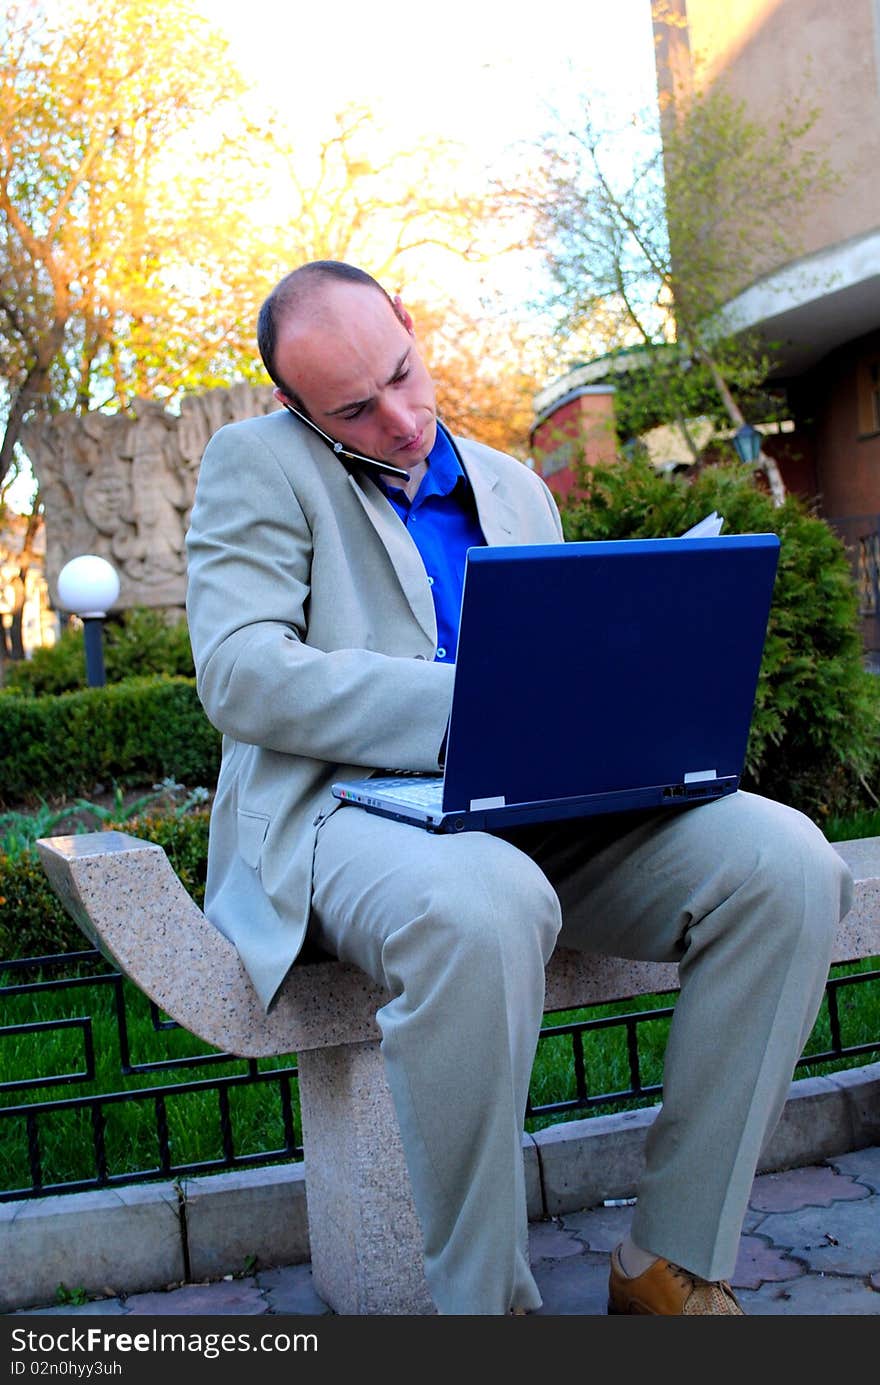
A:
(421, 656)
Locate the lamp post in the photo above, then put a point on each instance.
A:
(88, 587)
(747, 441)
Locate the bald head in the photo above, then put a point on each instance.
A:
(341, 351)
(303, 295)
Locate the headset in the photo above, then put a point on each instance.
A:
(368, 464)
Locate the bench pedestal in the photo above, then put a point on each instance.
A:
(366, 1244)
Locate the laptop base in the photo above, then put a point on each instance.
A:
(360, 794)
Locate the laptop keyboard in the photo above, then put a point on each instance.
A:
(425, 792)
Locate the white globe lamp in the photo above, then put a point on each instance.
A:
(87, 587)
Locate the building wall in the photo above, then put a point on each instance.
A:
(579, 429)
(769, 52)
(795, 455)
(831, 400)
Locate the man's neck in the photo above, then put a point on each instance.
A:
(410, 487)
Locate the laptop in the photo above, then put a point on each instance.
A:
(594, 677)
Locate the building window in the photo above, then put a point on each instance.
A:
(869, 396)
(868, 573)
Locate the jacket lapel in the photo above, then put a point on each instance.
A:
(496, 515)
(497, 520)
(405, 557)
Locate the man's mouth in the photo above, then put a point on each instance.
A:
(408, 448)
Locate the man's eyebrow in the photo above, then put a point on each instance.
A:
(359, 403)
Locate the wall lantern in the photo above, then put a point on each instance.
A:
(747, 441)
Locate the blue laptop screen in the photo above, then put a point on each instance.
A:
(599, 666)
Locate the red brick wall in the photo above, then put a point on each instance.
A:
(580, 430)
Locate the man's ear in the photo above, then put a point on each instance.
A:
(402, 315)
(287, 402)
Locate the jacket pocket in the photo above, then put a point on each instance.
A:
(252, 829)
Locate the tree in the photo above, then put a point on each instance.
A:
(144, 213)
(647, 241)
(126, 269)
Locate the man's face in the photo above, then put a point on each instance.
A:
(352, 360)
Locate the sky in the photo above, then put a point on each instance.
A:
(485, 72)
(489, 75)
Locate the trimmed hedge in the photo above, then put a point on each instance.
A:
(137, 644)
(130, 733)
(34, 922)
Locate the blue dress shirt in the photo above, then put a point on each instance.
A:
(442, 522)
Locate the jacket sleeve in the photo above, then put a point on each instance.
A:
(249, 555)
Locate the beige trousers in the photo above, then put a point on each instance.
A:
(744, 893)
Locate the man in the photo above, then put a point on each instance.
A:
(323, 595)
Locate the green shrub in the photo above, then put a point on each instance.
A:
(137, 643)
(34, 922)
(136, 732)
(814, 739)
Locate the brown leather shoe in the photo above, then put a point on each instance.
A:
(667, 1290)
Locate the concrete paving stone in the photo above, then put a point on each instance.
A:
(532, 1171)
(291, 1289)
(97, 1308)
(238, 1296)
(815, 1186)
(843, 1241)
(758, 1262)
(550, 1240)
(752, 1220)
(600, 1228)
(813, 1295)
(863, 1164)
(861, 1087)
(575, 1285)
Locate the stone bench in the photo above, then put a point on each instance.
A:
(364, 1239)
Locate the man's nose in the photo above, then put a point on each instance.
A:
(398, 416)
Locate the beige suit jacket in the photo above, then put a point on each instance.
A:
(314, 638)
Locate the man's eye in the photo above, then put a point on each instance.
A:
(353, 413)
(400, 376)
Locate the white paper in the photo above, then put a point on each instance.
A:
(705, 528)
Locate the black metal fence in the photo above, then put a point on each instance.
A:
(55, 983)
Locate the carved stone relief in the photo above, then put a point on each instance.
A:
(122, 486)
